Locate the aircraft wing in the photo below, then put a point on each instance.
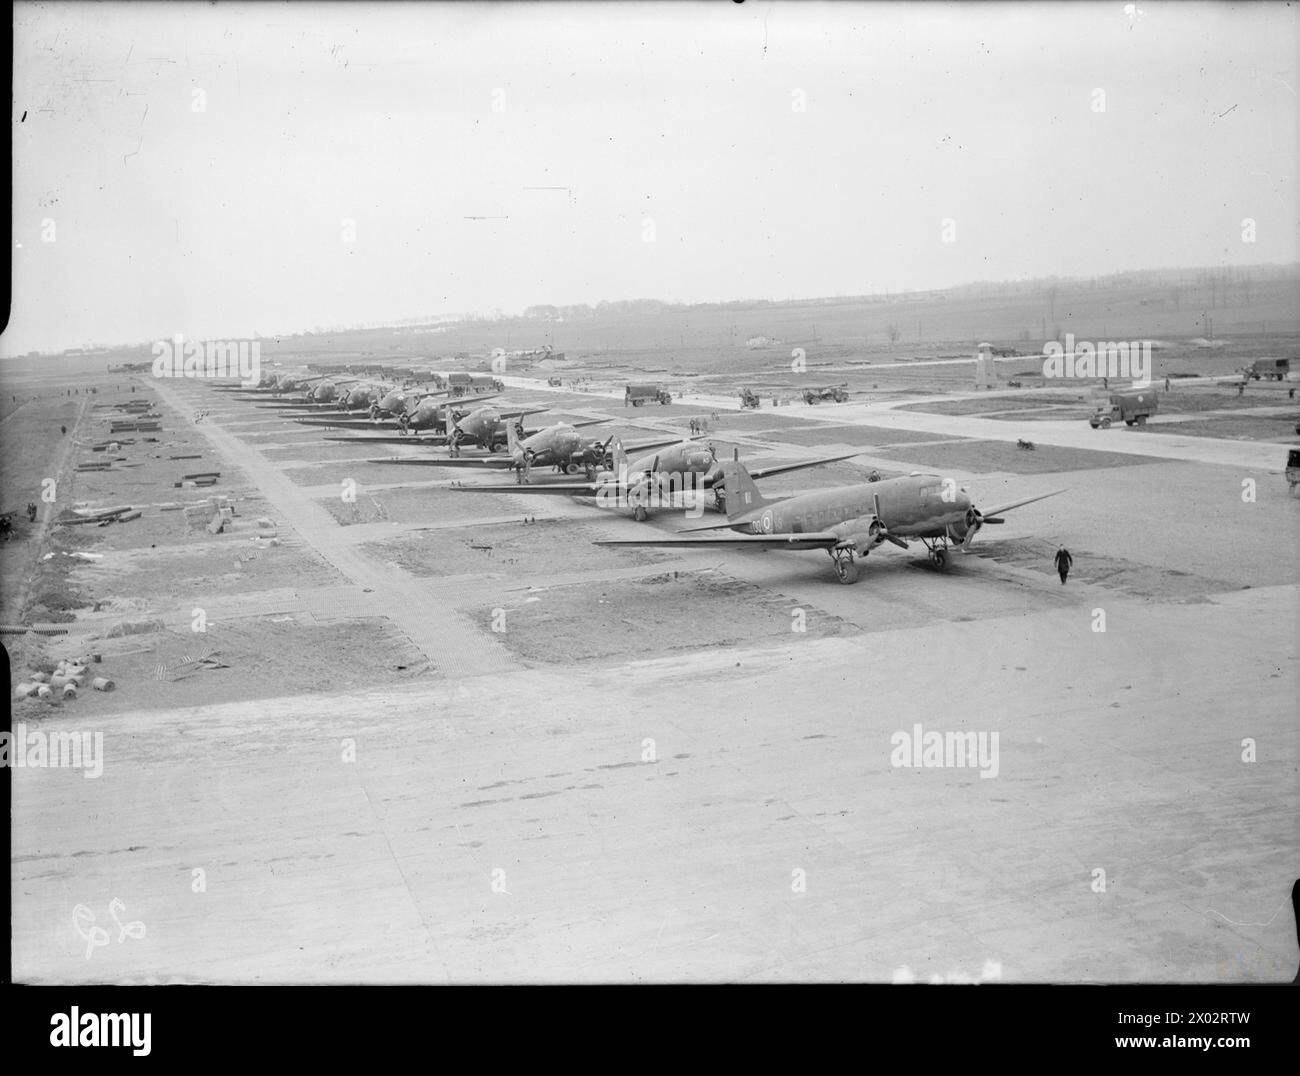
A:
(499, 462)
(646, 446)
(811, 540)
(572, 489)
(460, 402)
(1018, 504)
(765, 472)
(350, 423)
(393, 439)
(575, 425)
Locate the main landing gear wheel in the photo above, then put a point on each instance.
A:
(939, 558)
(571, 468)
(846, 571)
(640, 514)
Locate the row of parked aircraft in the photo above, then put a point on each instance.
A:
(847, 522)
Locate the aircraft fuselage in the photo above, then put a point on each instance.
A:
(914, 506)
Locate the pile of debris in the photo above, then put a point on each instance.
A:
(216, 514)
(199, 478)
(62, 681)
(142, 417)
(187, 665)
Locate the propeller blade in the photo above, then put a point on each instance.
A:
(883, 530)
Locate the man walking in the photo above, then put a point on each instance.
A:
(1064, 562)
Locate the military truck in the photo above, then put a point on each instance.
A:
(1269, 369)
(644, 392)
(1134, 407)
(828, 393)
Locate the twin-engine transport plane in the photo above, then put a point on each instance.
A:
(663, 478)
(560, 445)
(424, 414)
(848, 521)
(484, 427)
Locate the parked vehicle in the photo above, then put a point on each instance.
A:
(1269, 369)
(1293, 466)
(644, 392)
(749, 399)
(829, 393)
(1134, 407)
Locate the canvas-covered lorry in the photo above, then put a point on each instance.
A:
(826, 394)
(1269, 369)
(639, 393)
(1134, 407)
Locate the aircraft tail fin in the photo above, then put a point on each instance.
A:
(742, 495)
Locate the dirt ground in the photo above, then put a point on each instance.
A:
(597, 622)
(434, 506)
(984, 456)
(266, 657)
(1237, 427)
(851, 435)
(522, 550)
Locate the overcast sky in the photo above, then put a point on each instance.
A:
(770, 150)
